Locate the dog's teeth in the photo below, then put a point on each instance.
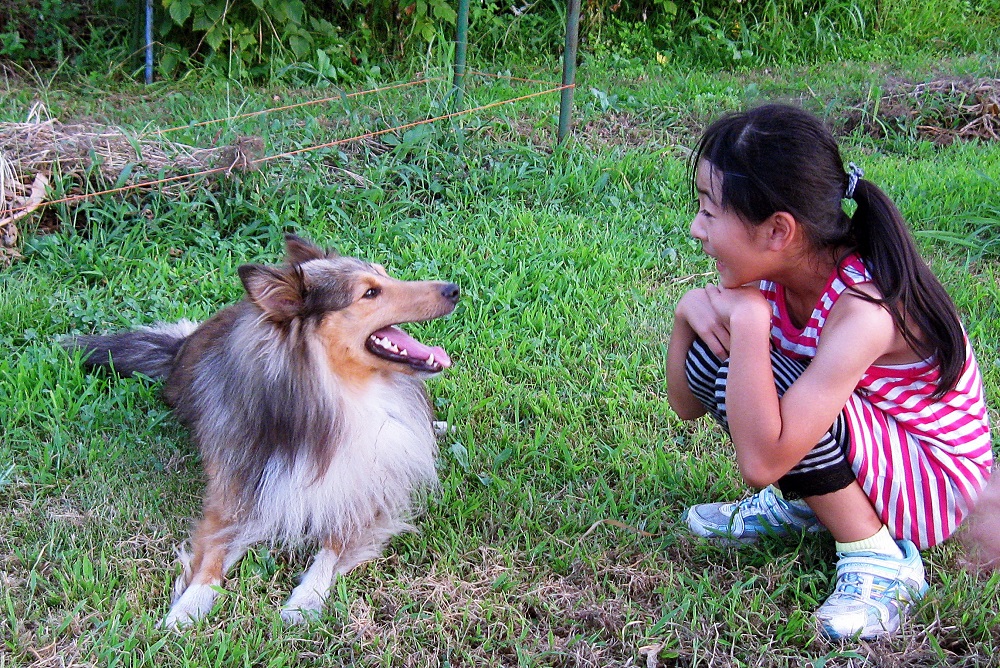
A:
(430, 360)
(404, 353)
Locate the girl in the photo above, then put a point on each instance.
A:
(835, 360)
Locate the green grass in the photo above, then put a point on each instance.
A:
(570, 262)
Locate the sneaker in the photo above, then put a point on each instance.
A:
(763, 514)
(873, 593)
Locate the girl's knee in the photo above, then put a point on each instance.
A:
(702, 365)
(704, 371)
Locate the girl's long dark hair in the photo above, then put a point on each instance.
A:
(781, 158)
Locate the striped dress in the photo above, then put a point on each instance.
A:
(921, 461)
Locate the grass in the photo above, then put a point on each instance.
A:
(555, 539)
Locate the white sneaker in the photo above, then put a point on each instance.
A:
(763, 514)
(873, 593)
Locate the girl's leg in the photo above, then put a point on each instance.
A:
(823, 471)
(848, 513)
(875, 587)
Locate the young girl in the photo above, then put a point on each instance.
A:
(835, 360)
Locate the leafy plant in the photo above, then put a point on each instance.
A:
(243, 34)
(47, 33)
(260, 37)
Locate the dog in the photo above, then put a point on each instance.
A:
(308, 405)
(980, 533)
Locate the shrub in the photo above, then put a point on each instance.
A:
(261, 37)
(47, 33)
(757, 33)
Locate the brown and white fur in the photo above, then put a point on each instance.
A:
(310, 412)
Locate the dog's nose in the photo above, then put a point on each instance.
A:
(450, 292)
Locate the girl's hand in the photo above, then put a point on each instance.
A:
(747, 300)
(696, 309)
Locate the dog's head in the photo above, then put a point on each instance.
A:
(354, 307)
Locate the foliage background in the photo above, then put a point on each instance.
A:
(343, 40)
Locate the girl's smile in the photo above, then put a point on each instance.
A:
(724, 236)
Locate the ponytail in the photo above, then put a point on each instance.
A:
(911, 293)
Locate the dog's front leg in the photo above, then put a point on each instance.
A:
(308, 597)
(336, 558)
(197, 586)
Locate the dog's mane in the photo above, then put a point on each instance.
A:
(292, 410)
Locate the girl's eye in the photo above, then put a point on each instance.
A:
(705, 213)
(371, 293)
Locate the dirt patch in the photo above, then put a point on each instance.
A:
(622, 129)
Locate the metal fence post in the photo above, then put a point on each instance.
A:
(461, 44)
(569, 68)
(148, 35)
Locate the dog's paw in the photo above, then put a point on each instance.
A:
(303, 606)
(193, 604)
(299, 616)
(184, 579)
(442, 428)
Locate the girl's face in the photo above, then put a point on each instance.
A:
(723, 234)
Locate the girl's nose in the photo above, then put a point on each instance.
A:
(697, 231)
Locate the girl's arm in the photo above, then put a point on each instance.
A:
(694, 317)
(771, 435)
(684, 403)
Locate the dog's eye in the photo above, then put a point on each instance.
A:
(371, 293)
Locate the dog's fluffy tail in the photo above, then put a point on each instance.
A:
(147, 350)
(981, 532)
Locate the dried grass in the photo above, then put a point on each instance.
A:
(946, 110)
(36, 152)
(80, 151)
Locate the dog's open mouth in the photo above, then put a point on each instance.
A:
(395, 345)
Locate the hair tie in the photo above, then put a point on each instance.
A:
(853, 176)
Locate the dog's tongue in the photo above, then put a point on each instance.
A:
(414, 348)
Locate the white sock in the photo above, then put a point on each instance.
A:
(882, 543)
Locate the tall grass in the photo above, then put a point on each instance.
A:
(330, 46)
(765, 33)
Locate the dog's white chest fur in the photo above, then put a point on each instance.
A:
(381, 467)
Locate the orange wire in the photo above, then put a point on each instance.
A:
(376, 133)
(291, 106)
(216, 170)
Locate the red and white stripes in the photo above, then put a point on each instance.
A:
(922, 461)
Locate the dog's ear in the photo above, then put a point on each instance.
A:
(279, 292)
(298, 250)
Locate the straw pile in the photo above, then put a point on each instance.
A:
(85, 157)
(948, 109)
(16, 201)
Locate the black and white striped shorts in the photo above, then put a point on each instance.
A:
(825, 469)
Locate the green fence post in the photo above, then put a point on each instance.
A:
(461, 43)
(569, 67)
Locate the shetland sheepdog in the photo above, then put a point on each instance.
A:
(308, 405)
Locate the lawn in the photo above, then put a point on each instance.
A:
(555, 539)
